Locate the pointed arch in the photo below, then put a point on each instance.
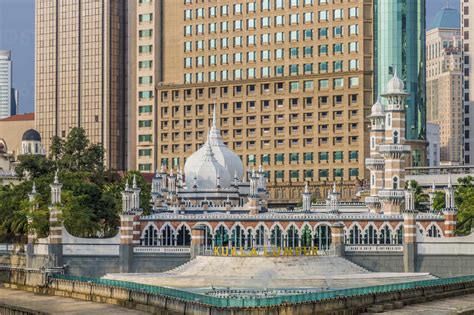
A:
(238, 235)
(433, 230)
(355, 233)
(306, 235)
(370, 233)
(167, 235)
(183, 235)
(386, 234)
(149, 236)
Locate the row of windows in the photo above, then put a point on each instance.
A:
(239, 90)
(279, 53)
(265, 55)
(278, 37)
(265, 5)
(252, 145)
(265, 22)
(266, 72)
(279, 158)
(282, 175)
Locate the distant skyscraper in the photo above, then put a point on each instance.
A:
(467, 20)
(444, 77)
(15, 102)
(399, 32)
(81, 72)
(5, 83)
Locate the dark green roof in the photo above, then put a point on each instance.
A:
(446, 18)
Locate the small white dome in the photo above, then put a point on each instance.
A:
(209, 173)
(395, 85)
(377, 108)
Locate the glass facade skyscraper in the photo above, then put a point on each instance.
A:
(399, 31)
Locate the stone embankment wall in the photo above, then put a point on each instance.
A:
(33, 280)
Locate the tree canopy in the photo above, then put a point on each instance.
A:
(91, 195)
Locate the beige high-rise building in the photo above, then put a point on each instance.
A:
(291, 79)
(81, 72)
(444, 79)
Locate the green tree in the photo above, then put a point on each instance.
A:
(464, 200)
(439, 200)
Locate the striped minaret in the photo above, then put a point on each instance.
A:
(31, 198)
(55, 224)
(450, 211)
(394, 148)
(375, 163)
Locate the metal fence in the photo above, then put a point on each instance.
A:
(267, 301)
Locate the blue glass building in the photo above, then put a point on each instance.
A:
(399, 30)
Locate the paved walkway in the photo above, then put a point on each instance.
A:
(455, 305)
(58, 305)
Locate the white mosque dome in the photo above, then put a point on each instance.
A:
(377, 108)
(395, 85)
(205, 171)
(224, 156)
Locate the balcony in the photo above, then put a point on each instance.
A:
(391, 194)
(394, 148)
(374, 163)
(371, 200)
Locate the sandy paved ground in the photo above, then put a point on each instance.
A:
(456, 305)
(58, 305)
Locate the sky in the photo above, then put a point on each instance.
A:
(17, 24)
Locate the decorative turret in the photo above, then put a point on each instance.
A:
(432, 195)
(449, 196)
(450, 212)
(393, 149)
(410, 198)
(332, 203)
(306, 199)
(135, 195)
(127, 199)
(56, 190)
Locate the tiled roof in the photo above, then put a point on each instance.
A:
(22, 117)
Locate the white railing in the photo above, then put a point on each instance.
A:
(374, 248)
(391, 193)
(394, 148)
(371, 161)
(161, 250)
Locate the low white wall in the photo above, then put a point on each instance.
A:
(459, 245)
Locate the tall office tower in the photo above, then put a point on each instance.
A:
(81, 72)
(467, 12)
(291, 80)
(5, 83)
(399, 31)
(444, 79)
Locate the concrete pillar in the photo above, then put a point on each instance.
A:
(198, 241)
(126, 242)
(337, 238)
(409, 240)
